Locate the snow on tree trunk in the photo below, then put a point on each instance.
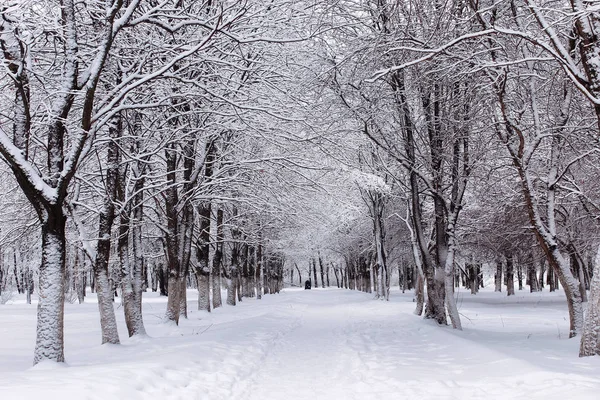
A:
(231, 300)
(590, 345)
(449, 279)
(50, 313)
(419, 294)
(171, 237)
(173, 301)
(245, 282)
(217, 261)
(183, 296)
(203, 291)
(138, 267)
(127, 296)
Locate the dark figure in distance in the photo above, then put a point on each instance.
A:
(307, 285)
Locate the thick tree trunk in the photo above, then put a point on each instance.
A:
(590, 345)
(50, 313)
(231, 286)
(203, 290)
(532, 277)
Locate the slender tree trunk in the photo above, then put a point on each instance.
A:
(299, 275)
(510, 277)
(217, 261)
(337, 279)
(322, 272)
(314, 264)
(259, 270)
(171, 238)
(420, 295)
(520, 275)
(551, 280)
(137, 327)
(202, 252)
(498, 276)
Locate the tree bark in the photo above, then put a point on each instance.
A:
(50, 313)
(590, 345)
(104, 293)
(202, 252)
(217, 261)
(510, 276)
(498, 276)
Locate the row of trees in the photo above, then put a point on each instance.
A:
(172, 144)
(143, 133)
(475, 137)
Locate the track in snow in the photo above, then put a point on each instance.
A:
(318, 344)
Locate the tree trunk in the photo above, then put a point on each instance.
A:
(420, 296)
(314, 263)
(520, 275)
(498, 276)
(108, 322)
(137, 326)
(258, 278)
(299, 275)
(171, 237)
(217, 261)
(202, 253)
(50, 313)
(337, 279)
(203, 290)
(510, 276)
(550, 280)
(590, 345)
(322, 272)
(231, 286)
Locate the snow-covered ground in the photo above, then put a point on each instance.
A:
(318, 344)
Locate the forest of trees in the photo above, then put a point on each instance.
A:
(155, 145)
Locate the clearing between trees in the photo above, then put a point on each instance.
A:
(318, 344)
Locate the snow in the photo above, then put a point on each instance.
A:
(317, 344)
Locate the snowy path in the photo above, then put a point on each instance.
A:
(319, 344)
